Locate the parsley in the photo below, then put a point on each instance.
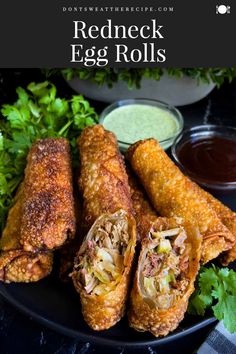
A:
(216, 289)
(132, 77)
(37, 113)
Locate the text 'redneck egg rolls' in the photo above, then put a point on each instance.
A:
(227, 217)
(173, 194)
(42, 217)
(102, 267)
(166, 271)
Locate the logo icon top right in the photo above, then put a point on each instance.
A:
(222, 9)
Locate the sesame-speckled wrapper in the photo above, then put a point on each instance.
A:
(142, 315)
(104, 186)
(173, 194)
(17, 265)
(227, 217)
(48, 217)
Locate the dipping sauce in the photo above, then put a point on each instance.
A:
(133, 122)
(211, 159)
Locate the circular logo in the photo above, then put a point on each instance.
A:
(222, 9)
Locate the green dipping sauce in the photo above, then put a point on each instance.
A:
(135, 122)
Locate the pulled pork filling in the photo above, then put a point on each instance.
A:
(101, 260)
(164, 266)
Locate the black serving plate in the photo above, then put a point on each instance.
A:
(57, 305)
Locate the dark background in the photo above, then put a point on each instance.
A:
(39, 34)
(20, 334)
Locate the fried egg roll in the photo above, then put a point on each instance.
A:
(48, 217)
(102, 267)
(227, 217)
(173, 194)
(42, 218)
(167, 268)
(144, 212)
(17, 265)
(21, 266)
(164, 280)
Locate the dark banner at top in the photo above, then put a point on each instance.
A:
(70, 33)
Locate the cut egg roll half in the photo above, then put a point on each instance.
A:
(166, 270)
(102, 267)
(164, 280)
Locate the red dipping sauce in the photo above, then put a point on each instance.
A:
(207, 154)
(210, 158)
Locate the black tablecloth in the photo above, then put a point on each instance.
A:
(22, 335)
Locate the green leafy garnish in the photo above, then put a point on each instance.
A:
(132, 77)
(216, 289)
(37, 113)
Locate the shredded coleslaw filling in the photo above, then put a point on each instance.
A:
(164, 266)
(101, 259)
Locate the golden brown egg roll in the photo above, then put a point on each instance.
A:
(22, 266)
(227, 217)
(173, 194)
(48, 217)
(102, 267)
(144, 212)
(167, 268)
(17, 265)
(42, 217)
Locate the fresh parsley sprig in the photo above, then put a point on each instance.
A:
(37, 113)
(216, 289)
(132, 77)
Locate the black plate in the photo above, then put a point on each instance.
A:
(57, 305)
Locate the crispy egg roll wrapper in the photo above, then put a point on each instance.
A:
(48, 217)
(227, 217)
(173, 194)
(144, 212)
(17, 265)
(104, 185)
(22, 266)
(103, 182)
(10, 239)
(143, 315)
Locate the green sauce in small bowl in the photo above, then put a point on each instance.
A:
(133, 120)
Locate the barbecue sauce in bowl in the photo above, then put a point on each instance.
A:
(212, 159)
(208, 159)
